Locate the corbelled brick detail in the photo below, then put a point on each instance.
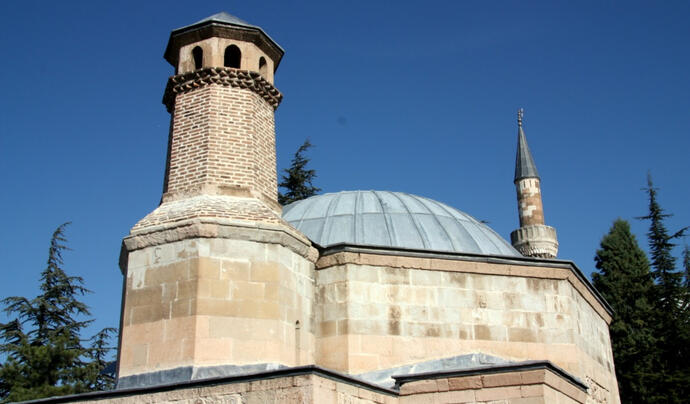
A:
(222, 141)
(209, 206)
(224, 76)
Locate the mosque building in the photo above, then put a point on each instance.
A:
(348, 297)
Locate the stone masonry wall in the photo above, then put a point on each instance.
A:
(222, 140)
(377, 312)
(207, 302)
(301, 389)
(541, 386)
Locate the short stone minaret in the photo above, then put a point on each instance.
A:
(533, 238)
(216, 282)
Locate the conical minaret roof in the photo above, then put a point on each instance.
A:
(524, 163)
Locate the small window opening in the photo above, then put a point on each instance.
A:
(198, 55)
(263, 67)
(232, 57)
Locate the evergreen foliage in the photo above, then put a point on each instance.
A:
(673, 371)
(298, 179)
(45, 355)
(625, 281)
(650, 331)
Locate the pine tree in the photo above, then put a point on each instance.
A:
(298, 179)
(43, 347)
(625, 281)
(673, 372)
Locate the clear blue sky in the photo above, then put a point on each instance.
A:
(419, 97)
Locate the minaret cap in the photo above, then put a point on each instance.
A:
(524, 163)
(223, 25)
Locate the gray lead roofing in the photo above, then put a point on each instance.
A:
(227, 19)
(524, 163)
(392, 219)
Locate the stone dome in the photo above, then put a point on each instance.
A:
(392, 219)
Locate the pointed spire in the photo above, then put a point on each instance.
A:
(524, 163)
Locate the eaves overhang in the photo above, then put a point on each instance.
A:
(210, 28)
(492, 369)
(214, 381)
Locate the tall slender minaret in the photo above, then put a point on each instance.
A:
(533, 238)
(215, 281)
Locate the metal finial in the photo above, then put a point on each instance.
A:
(521, 113)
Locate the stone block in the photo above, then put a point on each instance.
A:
(462, 396)
(186, 289)
(465, 382)
(177, 329)
(213, 288)
(502, 379)
(236, 270)
(144, 296)
(163, 354)
(255, 309)
(205, 268)
(532, 377)
(394, 276)
(522, 335)
(422, 398)
(327, 328)
(419, 386)
(143, 333)
(167, 273)
(241, 290)
(498, 393)
(181, 308)
(265, 272)
(149, 313)
(277, 383)
(362, 273)
(217, 307)
(442, 385)
(533, 390)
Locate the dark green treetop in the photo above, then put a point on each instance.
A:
(624, 279)
(671, 325)
(661, 251)
(297, 180)
(44, 352)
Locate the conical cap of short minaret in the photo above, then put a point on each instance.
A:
(533, 238)
(524, 162)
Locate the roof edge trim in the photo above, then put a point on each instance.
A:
(482, 370)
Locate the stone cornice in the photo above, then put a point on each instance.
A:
(212, 227)
(225, 76)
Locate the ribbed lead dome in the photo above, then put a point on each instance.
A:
(392, 219)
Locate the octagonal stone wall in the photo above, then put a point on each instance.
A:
(381, 311)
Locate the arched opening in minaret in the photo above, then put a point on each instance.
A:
(263, 66)
(198, 55)
(232, 57)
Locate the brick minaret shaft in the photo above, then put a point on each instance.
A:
(533, 238)
(215, 281)
(222, 137)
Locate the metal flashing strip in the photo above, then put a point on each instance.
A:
(491, 369)
(458, 256)
(248, 377)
